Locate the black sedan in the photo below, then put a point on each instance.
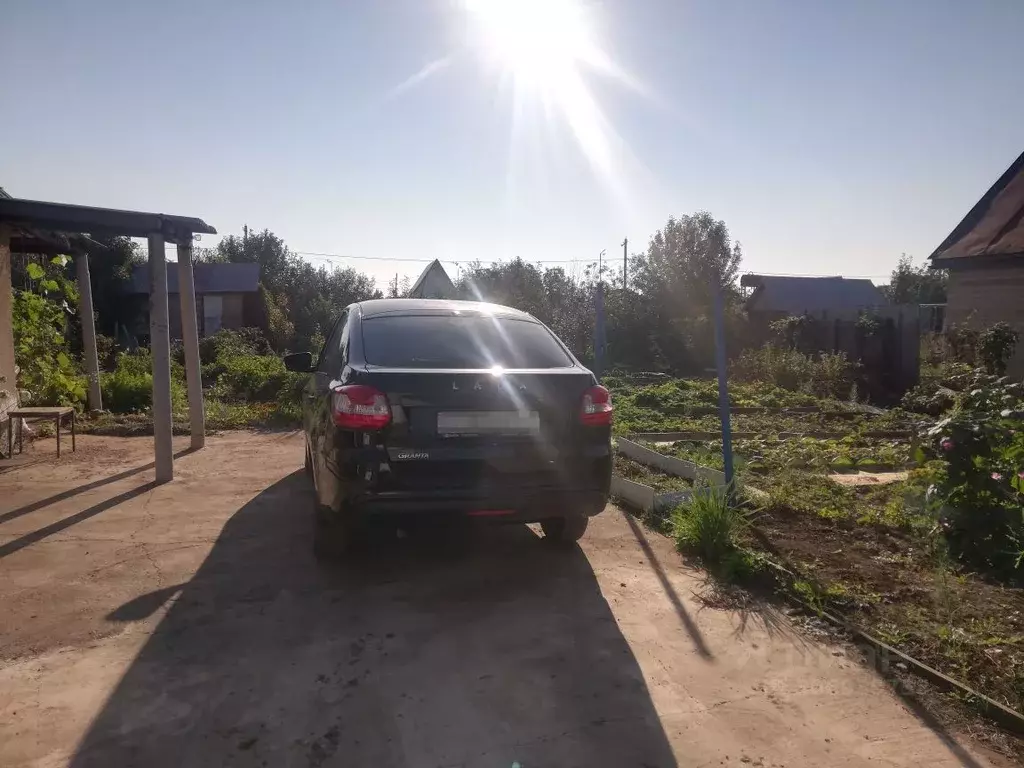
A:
(421, 409)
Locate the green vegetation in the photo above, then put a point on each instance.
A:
(42, 315)
(709, 525)
(826, 375)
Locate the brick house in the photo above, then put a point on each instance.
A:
(985, 258)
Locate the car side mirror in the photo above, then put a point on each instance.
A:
(299, 362)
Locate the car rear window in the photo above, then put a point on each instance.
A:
(459, 341)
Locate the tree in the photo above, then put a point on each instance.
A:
(916, 285)
(550, 295)
(676, 278)
(110, 273)
(685, 259)
(301, 301)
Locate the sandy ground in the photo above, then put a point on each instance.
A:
(188, 624)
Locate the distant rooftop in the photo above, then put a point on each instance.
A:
(208, 278)
(796, 295)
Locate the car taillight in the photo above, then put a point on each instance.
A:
(357, 406)
(597, 407)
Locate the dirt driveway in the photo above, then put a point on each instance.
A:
(188, 625)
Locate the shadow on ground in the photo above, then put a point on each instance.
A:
(417, 653)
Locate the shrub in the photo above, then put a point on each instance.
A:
(129, 387)
(995, 347)
(829, 375)
(229, 342)
(251, 378)
(708, 525)
(106, 352)
(980, 491)
(786, 368)
(962, 342)
(45, 366)
(832, 375)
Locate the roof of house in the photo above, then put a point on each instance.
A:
(436, 272)
(796, 295)
(208, 278)
(994, 226)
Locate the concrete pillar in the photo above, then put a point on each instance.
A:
(190, 336)
(92, 365)
(160, 347)
(8, 378)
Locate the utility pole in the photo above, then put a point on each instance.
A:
(625, 245)
(600, 267)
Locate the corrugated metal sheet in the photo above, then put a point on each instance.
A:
(209, 278)
(796, 295)
(994, 226)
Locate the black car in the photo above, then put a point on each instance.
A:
(420, 409)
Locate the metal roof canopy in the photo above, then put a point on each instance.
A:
(62, 217)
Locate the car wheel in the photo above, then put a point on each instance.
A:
(309, 464)
(565, 530)
(332, 538)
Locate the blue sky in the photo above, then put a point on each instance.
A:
(831, 137)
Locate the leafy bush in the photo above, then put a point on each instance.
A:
(257, 378)
(995, 347)
(106, 351)
(229, 342)
(980, 493)
(928, 397)
(708, 525)
(793, 331)
(45, 367)
(786, 368)
(129, 387)
(829, 375)
(832, 375)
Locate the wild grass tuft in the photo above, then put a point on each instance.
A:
(708, 525)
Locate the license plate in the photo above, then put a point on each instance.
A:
(488, 422)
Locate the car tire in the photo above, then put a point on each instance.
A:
(565, 530)
(309, 464)
(332, 538)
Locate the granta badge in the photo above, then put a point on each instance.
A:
(411, 455)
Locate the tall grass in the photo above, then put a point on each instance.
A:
(709, 526)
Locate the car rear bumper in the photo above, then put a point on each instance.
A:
(525, 506)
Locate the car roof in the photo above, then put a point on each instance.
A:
(376, 307)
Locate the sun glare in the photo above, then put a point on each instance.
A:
(534, 39)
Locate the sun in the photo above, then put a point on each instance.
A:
(537, 41)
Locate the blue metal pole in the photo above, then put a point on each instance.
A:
(723, 384)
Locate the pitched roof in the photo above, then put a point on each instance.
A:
(995, 225)
(435, 281)
(209, 278)
(796, 295)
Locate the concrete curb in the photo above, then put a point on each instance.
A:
(669, 464)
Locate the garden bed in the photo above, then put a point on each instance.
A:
(866, 553)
